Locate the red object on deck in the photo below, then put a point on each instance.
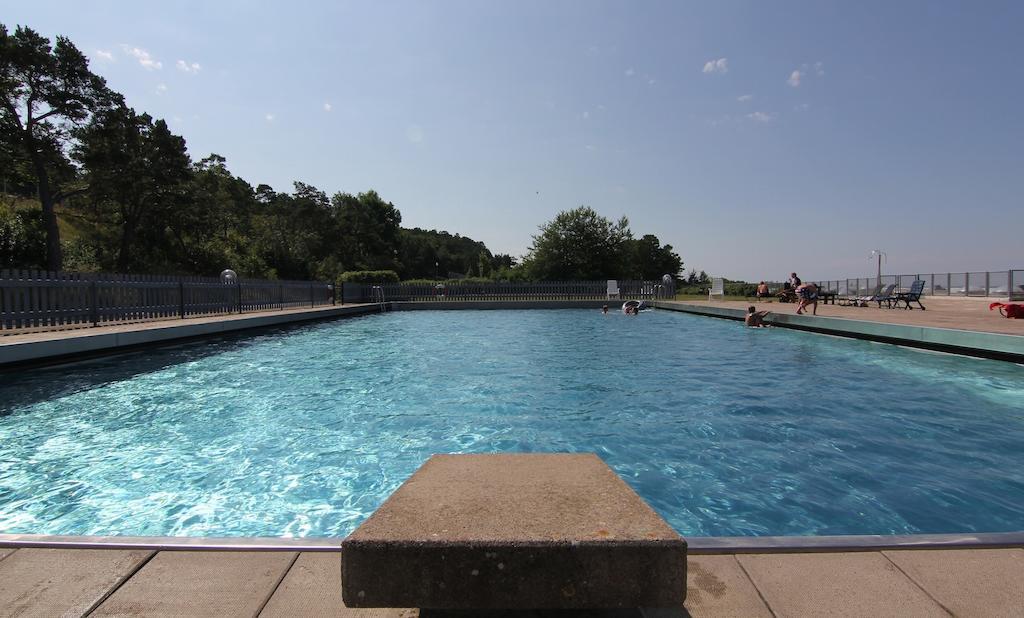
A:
(1010, 310)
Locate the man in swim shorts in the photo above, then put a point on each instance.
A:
(808, 293)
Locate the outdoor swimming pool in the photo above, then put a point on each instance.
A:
(724, 430)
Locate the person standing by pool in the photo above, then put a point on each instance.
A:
(762, 290)
(794, 281)
(807, 293)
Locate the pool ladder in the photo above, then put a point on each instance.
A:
(378, 297)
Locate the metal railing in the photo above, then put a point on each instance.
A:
(498, 290)
(998, 283)
(37, 300)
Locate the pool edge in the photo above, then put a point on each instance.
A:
(697, 545)
(978, 344)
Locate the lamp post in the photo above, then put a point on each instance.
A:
(877, 253)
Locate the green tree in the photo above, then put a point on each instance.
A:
(22, 240)
(138, 176)
(369, 229)
(419, 250)
(651, 260)
(45, 91)
(217, 229)
(579, 244)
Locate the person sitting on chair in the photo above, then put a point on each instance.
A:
(787, 294)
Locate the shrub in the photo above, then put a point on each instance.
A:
(369, 276)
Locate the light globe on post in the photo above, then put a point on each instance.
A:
(228, 277)
(879, 254)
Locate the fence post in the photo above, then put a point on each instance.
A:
(94, 312)
(987, 286)
(181, 299)
(312, 298)
(238, 284)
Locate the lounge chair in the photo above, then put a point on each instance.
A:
(613, 288)
(913, 296)
(878, 295)
(787, 294)
(887, 296)
(855, 300)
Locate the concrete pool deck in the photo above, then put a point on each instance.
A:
(955, 325)
(55, 346)
(182, 581)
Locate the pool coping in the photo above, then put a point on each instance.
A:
(697, 545)
(980, 344)
(63, 346)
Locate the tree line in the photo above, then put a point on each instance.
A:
(91, 184)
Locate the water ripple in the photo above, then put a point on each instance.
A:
(724, 430)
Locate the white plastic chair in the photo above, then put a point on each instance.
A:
(717, 288)
(613, 288)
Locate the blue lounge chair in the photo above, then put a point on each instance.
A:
(888, 296)
(913, 296)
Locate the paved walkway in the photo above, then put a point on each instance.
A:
(57, 346)
(958, 313)
(140, 582)
(162, 324)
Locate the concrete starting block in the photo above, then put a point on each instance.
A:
(519, 531)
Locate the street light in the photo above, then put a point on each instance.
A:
(879, 254)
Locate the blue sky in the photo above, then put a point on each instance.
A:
(756, 138)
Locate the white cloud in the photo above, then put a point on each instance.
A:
(763, 116)
(147, 61)
(717, 66)
(794, 79)
(415, 134)
(651, 81)
(269, 117)
(819, 68)
(802, 107)
(591, 147)
(188, 67)
(161, 88)
(630, 72)
(586, 115)
(601, 108)
(327, 107)
(104, 55)
(743, 98)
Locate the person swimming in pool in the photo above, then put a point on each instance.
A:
(604, 310)
(755, 318)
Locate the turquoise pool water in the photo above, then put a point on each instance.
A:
(724, 430)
